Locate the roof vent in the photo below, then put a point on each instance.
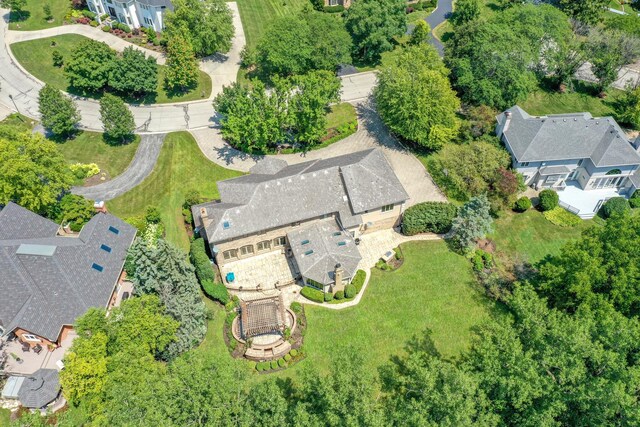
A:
(564, 120)
(575, 119)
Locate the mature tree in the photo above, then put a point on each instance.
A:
(33, 172)
(90, 65)
(466, 11)
(182, 67)
(472, 223)
(330, 42)
(603, 264)
(309, 104)
(163, 270)
(563, 61)
(421, 33)
(479, 122)
(16, 6)
(252, 119)
(58, 112)
(587, 11)
(116, 118)
(373, 25)
(134, 73)
(609, 51)
(73, 210)
(207, 24)
(415, 99)
(628, 107)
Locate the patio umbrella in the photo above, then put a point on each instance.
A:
(40, 388)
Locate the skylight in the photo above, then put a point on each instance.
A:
(114, 230)
(105, 248)
(304, 242)
(337, 233)
(97, 267)
(342, 243)
(226, 225)
(309, 252)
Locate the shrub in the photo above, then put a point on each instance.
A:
(296, 307)
(312, 294)
(561, 217)
(253, 365)
(339, 295)
(262, 366)
(56, 57)
(328, 296)
(216, 291)
(94, 23)
(106, 28)
(615, 206)
(435, 217)
(548, 200)
(358, 280)
(89, 14)
(293, 352)
(153, 215)
(522, 204)
(82, 170)
(200, 260)
(350, 291)
(634, 202)
(477, 262)
(334, 9)
(287, 357)
(486, 257)
(273, 364)
(281, 362)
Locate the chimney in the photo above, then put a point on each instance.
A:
(100, 206)
(338, 274)
(507, 121)
(636, 143)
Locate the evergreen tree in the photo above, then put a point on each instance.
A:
(58, 112)
(116, 117)
(472, 223)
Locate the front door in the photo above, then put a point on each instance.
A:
(112, 12)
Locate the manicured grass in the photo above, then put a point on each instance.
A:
(434, 289)
(583, 98)
(530, 237)
(5, 417)
(181, 168)
(256, 15)
(443, 31)
(341, 114)
(32, 17)
(35, 57)
(90, 147)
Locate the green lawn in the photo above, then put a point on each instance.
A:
(530, 237)
(341, 114)
(256, 14)
(180, 169)
(5, 419)
(32, 17)
(35, 57)
(90, 147)
(544, 101)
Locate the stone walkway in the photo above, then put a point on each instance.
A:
(140, 167)
(371, 133)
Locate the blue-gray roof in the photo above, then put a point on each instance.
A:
(39, 389)
(50, 280)
(567, 137)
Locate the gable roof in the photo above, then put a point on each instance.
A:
(50, 280)
(318, 248)
(567, 137)
(275, 194)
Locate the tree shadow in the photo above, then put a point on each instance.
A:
(19, 16)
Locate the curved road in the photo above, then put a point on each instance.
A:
(437, 17)
(140, 167)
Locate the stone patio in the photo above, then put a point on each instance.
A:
(31, 361)
(585, 203)
(264, 272)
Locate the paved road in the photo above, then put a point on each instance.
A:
(437, 17)
(140, 167)
(371, 133)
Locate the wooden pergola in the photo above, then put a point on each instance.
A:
(262, 316)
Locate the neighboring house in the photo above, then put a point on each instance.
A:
(134, 13)
(345, 3)
(314, 211)
(49, 278)
(586, 159)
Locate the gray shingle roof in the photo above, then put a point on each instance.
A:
(553, 170)
(319, 247)
(39, 388)
(567, 137)
(157, 3)
(349, 185)
(50, 291)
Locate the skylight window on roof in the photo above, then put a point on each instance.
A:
(337, 233)
(309, 252)
(105, 248)
(97, 267)
(342, 243)
(304, 242)
(226, 225)
(114, 230)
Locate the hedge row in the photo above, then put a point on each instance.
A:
(216, 291)
(312, 294)
(275, 364)
(200, 260)
(358, 280)
(435, 217)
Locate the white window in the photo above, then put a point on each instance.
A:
(387, 208)
(264, 245)
(30, 338)
(279, 241)
(148, 21)
(230, 254)
(246, 250)
(580, 162)
(129, 21)
(524, 164)
(333, 2)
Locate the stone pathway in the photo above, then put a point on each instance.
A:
(140, 167)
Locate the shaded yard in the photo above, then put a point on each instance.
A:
(181, 168)
(256, 15)
(35, 57)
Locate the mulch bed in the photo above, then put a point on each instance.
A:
(487, 245)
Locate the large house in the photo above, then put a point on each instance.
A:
(134, 13)
(314, 210)
(586, 159)
(50, 277)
